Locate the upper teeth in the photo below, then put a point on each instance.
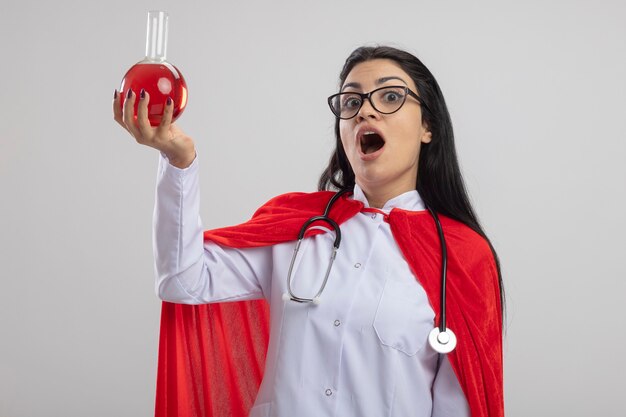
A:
(369, 133)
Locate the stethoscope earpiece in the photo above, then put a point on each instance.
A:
(442, 342)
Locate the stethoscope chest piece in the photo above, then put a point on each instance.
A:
(442, 342)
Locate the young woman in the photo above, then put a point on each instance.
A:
(355, 333)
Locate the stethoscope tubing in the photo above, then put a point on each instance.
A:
(323, 218)
(441, 339)
(444, 271)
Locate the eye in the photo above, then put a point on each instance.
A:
(350, 102)
(392, 96)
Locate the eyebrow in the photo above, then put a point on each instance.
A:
(378, 82)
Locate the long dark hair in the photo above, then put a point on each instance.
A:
(439, 180)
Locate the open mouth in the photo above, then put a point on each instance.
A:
(371, 142)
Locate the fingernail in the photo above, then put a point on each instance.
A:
(129, 94)
(169, 101)
(115, 94)
(142, 93)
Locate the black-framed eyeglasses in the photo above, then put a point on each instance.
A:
(385, 100)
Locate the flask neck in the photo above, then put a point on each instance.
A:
(156, 36)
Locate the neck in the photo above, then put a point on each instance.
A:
(378, 197)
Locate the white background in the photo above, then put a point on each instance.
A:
(537, 94)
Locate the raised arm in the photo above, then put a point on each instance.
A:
(188, 270)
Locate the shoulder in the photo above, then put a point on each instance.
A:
(464, 245)
(295, 198)
(278, 220)
(464, 240)
(295, 201)
(473, 258)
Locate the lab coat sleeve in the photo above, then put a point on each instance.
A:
(448, 397)
(187, 269)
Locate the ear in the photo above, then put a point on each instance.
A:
(427, 136)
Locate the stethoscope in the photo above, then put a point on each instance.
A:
(441, 338)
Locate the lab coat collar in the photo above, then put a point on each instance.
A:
(410, 200)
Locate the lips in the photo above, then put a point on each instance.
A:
(370, 142)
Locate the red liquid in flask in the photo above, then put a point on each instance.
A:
(160, 80)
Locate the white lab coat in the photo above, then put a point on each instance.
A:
(362, 352)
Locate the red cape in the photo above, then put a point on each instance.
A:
(212, 356)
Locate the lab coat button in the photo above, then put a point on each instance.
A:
(357, 265)
(329, 392)
(337, 323)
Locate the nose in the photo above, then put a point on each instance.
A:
(367, 111)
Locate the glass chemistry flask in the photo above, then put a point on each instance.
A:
(159, 78)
